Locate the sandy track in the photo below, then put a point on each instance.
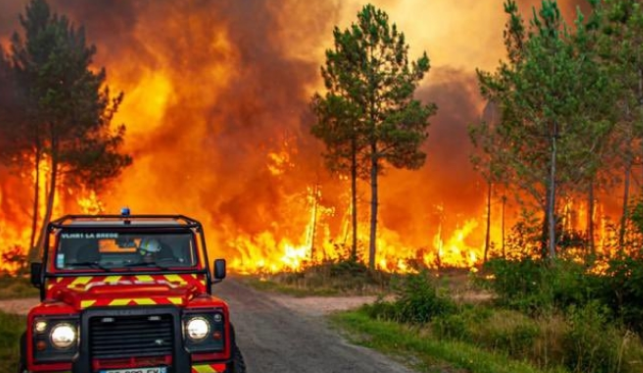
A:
(282, 334)
(19, 306)
(279, 334)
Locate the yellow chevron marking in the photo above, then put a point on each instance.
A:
(112, 279)
(145, 278)
(175, 300)
(86, 303)
(119, 302)
(144, 301)
(175, 278)
(82, 280)
(137, 301)
(194, 275)
(203, 369)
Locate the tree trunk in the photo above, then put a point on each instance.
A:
(36, 201)
(504, 201)
(51, 193)
(590, 219)
(626, 197)
(488, 233)
(314, 227)
(354, 197)
(552, 200)
(544, 234)
(374, 201)
(51, 196)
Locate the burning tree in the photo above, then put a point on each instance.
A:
(368, 117)
(68, 108)
(623, 49)
(552, 96)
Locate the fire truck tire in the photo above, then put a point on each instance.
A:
(22, 363)
(238, 364)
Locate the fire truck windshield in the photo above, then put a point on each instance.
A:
(112, 250)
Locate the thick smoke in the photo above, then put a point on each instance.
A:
(217, 108)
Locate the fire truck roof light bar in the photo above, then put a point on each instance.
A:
(182, 220)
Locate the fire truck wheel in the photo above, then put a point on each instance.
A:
(22, 364)
(238, 364)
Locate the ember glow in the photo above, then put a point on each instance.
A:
(217, 113)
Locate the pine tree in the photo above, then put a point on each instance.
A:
(69, 106)
(551, 97)
(623, 50)
(370, 84)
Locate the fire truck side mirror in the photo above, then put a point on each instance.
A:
(36, 274)
(219, 270)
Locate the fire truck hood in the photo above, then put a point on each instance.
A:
(135, 290)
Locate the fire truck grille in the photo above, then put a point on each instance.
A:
(130, 336)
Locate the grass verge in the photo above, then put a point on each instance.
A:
(16, 287)
(325, 279)
(431, 355)
(11, 327)
(276, 287)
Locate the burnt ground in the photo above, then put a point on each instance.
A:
(282, 334)
(279, 334)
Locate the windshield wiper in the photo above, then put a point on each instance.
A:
(146, 264)
(89, 264)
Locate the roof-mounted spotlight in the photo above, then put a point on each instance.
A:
(125, 212)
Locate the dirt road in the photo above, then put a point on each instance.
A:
(279, 335)
(282, 334)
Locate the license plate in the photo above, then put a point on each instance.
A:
(137, 370)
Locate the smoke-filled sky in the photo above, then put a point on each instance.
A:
(217, 106)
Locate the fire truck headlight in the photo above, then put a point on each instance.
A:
(63, 336)
(40, 326)
(197, 328)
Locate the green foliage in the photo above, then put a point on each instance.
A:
(507, 331)
(327, 279)
(11, 328)
(537, 286)
(69, 108)
(69, 102)
(16, 287)
(418, 301)
(590, 346)
(434, 354)
(636, 216)
(368, 116)
(460, 325)
(553, 97)
(517, 283)
(621, 290)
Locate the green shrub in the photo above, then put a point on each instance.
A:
(621, 289)
(418, 301)
(11, 328)
(511, 332)
(590, 346)
(456, 326)
(461, 325)
(519, 283)
(16, 287)
(536, 286)
(330, 278)
(381, 310)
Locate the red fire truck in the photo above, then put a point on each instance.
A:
(128, 294)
